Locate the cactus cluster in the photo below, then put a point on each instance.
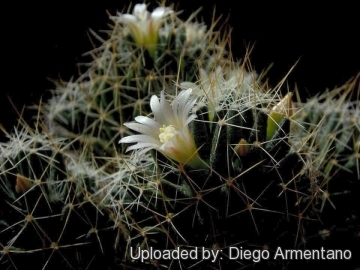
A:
(124, 74)
(221, 159)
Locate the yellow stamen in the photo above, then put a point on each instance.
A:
(166, 133)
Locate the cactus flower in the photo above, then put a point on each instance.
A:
(144, 27)
(169, 133)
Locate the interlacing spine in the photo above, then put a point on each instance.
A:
(165, 142)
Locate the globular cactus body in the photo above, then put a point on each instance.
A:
(221, 160)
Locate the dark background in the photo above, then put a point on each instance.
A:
(324, 38)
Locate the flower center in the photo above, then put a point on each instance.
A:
(166, 133)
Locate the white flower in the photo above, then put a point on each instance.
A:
(169, 133)
(144, 27)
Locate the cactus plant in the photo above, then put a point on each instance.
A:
(127, 69)
(222, 161)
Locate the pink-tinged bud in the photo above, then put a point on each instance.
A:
(23, 184)
(242, 148)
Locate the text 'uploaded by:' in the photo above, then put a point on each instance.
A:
(178, 253)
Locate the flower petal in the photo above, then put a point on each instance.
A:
(143, 129)
(127, 18)
(143, 151)
(148, 122)
(191, 118)
(140, 11)
(139, 138)
(160, 12)
(167, 110)
(142, 145)
(156, 108)
(187, 110)
(182, 99)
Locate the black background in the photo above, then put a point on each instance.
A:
(46, 41)
(324, 38)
